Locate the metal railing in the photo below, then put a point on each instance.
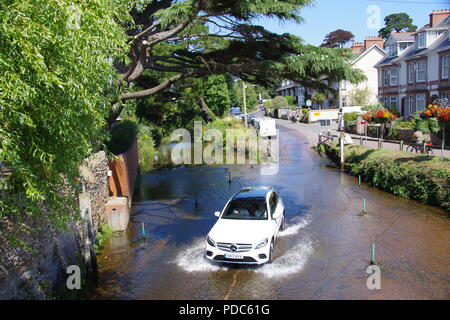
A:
(362, 139)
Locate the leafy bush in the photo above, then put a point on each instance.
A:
(290, 100)
(417, 177)
(268, 104)
(280, 102)
(104, 233)
(349, 117)
(123, 135)
(147, 151)
(55, 92)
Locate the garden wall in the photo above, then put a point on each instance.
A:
(34, 255)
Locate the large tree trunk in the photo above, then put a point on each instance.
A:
(205, 111)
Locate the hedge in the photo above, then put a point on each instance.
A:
(412, 176)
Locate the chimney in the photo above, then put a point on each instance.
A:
(371, 40)
(438, 15)
(357, 47)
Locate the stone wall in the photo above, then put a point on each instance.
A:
(34, 255)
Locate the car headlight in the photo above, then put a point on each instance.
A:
(262, 243)
(210, 241)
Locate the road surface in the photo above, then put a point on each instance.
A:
(323, 254)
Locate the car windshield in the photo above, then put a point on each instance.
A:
(248, 209)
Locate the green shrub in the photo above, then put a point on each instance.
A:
(417, 177)
(123, 135)
(280, 102)
(349, 117)
(104, 233)
(268, 104)
(290, 100)
(147, 151)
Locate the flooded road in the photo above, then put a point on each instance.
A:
(323, 253)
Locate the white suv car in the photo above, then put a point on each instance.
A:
(247, 227)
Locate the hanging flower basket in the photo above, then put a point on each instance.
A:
(436, 112)
(379, 116)
(442, 115)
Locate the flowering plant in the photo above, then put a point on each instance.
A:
(431, 111)
(379, 116)
(444, 115)
(436, 112)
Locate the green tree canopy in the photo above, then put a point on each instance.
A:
(280, 102)
(337, 39)
(398, 22)
(55, 91)
(195, 38)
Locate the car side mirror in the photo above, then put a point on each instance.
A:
(217, 214)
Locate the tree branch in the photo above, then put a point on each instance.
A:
(148, 92)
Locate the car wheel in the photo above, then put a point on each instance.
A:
(271, 252)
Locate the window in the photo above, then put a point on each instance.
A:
(421, 40)
(385, 77)
(420, 102)
(393, 103)
(444, 66)
(394, 76)
(443, 95)
(421, 71)
(411, 72)
(403, 46)
(412, 104)
(393, 50)
(246, 210)
(386, 102)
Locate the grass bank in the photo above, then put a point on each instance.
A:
(412, 176)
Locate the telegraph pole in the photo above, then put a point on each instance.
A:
(245, 102)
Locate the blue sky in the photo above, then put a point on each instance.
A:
(328, 15)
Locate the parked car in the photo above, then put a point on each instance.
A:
(247, 227)
(266, 127)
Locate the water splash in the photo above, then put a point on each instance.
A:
(294, 226)
(191, 259)
(291, 262)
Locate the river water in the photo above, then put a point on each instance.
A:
(323, 253)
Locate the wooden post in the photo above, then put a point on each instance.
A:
(361, 140)
(341, 141)
(245, 103)
(401, 145)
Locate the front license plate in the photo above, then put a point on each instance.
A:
(233, 256)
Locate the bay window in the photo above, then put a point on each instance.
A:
(385, 77)
(393, 103)
(444, 66)
(420, 102)
(421, 71)
(412, 104)
(393, 76)
(411, 73)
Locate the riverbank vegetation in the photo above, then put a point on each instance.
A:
(419, 177)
